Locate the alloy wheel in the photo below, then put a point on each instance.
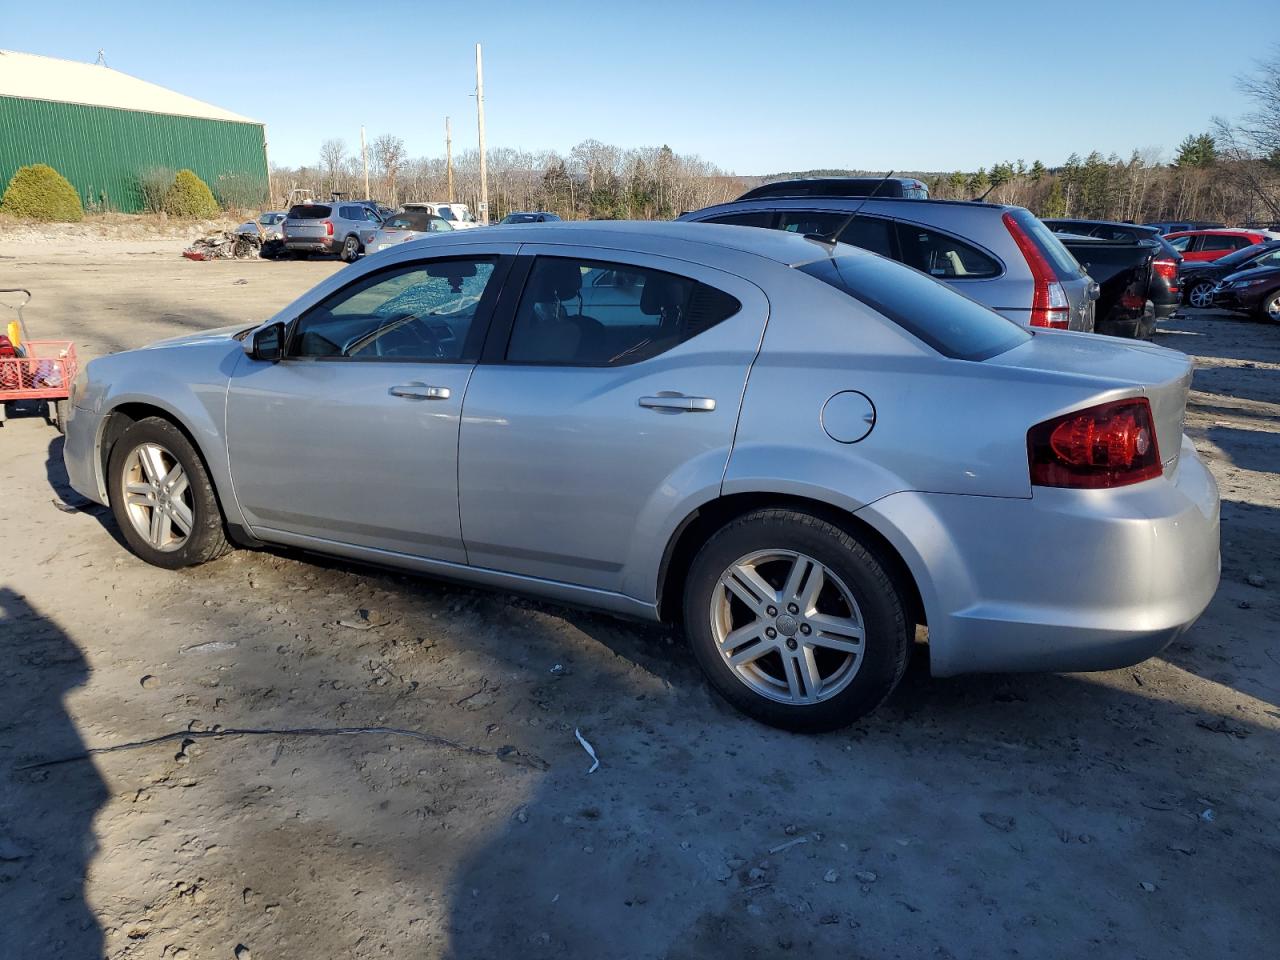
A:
(1272, 308)
(158, 497)
(1201, 295)
(787, 626)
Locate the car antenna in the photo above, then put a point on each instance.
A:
(829, 239)
(987, 191)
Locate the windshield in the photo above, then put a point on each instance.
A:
(520, 218)
(1240, 256)
(445, 213)
(949, 322)
(410, 220)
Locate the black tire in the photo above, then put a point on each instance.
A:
(206, 539)
(1269, 307)
(1194, 292)
(885, 646)
(350, 249)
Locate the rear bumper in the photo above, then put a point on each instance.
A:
(1067, 580)
(310, 246)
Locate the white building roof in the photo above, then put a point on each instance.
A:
(34, 77)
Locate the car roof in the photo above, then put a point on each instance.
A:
(779, 246)
(1229, 231)
(870, 203)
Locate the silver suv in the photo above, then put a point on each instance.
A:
(344, 227)
(1001, 256)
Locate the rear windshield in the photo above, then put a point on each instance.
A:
(949, 322)
(411, 220)
(521, 218)
(308, 211)
(1065, 266)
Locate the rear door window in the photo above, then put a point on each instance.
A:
(592, 313)
(930, 310)
(943, 256)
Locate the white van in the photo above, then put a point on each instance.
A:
(457, 214)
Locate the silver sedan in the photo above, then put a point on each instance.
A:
(799, 450)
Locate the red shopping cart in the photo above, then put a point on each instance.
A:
(34, 370)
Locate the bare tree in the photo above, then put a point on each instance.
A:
(333, 155)
(388, 157)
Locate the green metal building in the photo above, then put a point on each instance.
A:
(102, 129)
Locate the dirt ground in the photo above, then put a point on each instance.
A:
(1123, 814)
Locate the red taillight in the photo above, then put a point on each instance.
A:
(328, 228)
(1049, 305)
(1110, 445)
(1168, 269)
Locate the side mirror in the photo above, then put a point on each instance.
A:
(267, 343)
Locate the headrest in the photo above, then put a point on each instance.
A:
(662, 294)
(556, 280)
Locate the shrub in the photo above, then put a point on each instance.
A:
(39, 192)
(190, 197)
(153, 186)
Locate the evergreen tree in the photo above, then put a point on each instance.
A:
(1037, 171)
(1055, 204)
(1197, 151)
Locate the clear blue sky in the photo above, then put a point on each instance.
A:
(752, 87)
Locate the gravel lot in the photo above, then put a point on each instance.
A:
(1127, 814)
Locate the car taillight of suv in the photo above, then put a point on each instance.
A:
(1168, 269)
(1049, 304)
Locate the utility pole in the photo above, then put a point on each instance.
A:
(484, 172)
(364, 158)
(448, 156)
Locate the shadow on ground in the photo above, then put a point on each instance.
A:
(46, 814)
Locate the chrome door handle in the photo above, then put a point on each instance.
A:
(676, 401)
(420, 391)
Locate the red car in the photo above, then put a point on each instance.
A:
(1212, 244)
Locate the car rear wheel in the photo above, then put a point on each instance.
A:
(1201, 294)
(162, 498)
(795, 621)
(1269, 307)
(351, 249)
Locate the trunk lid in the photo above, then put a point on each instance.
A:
(1162, 376)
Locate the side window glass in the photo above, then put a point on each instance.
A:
(757, 218)
(805, 221)
(589, 313)
(1271, 259)
(371, 215)
(942, 256)
(870, 233)
(1181, 244)
(423, 311)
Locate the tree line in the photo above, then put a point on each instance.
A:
(594, 180)
(1230, 173)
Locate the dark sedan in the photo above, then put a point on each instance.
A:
(1198, 278)
(1255, 291)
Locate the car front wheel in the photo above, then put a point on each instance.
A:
(162, 498)
(351, 249)
(795, 621)
(1269, 308)
(1200, 294)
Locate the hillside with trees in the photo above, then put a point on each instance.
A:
(1230, 173)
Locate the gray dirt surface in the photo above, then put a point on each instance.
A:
(1124, 814)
